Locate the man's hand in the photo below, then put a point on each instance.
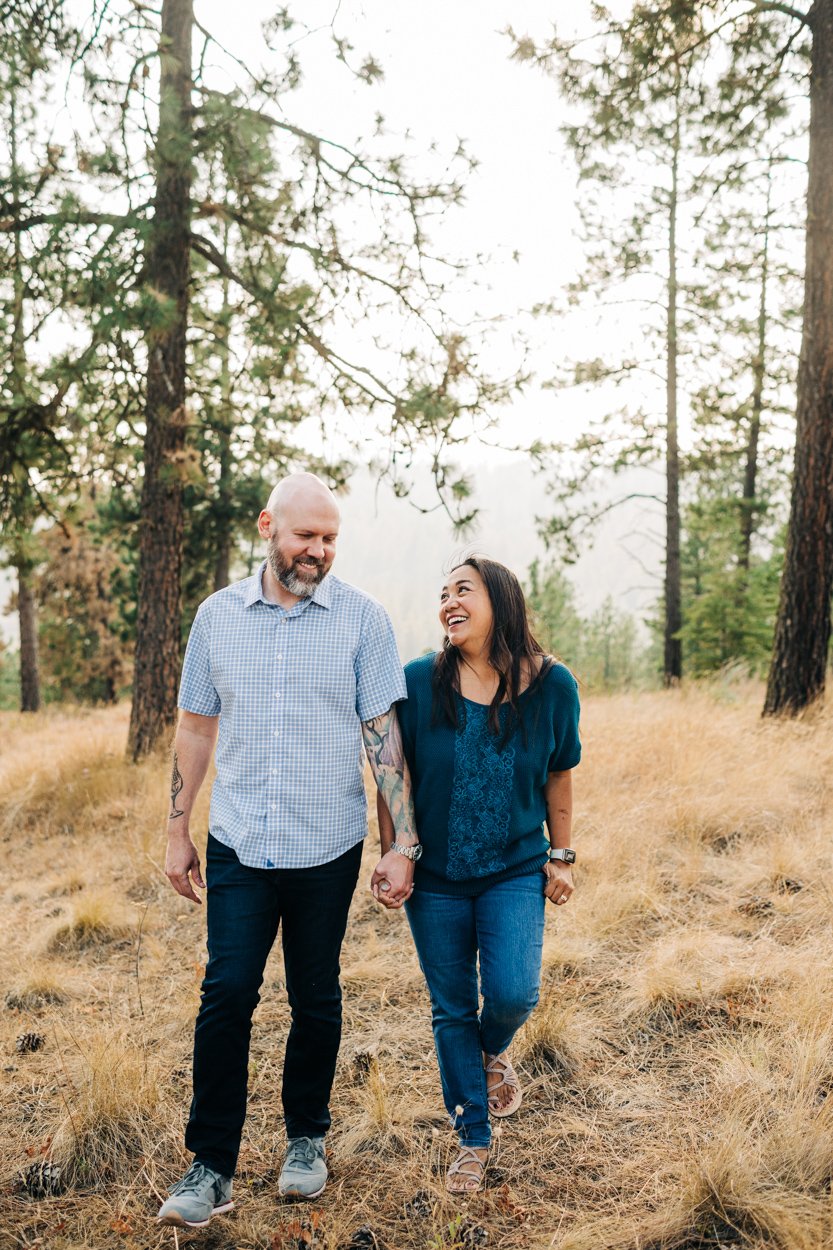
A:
(182, 866)
(397, 872)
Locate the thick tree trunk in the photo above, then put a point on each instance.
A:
(673, 651)
(27, 614)
(802, 631)
(167, 275)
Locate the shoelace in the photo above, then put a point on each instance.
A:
(302, 1151)
(193, 1180)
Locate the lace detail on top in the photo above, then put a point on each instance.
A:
(481, 798)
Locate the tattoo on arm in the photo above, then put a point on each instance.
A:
(383, 743)
(176, 787)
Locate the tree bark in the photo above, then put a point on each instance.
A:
(673, 651)
(167, 276)
(222, 567)
(802, 631)
(750, 473)
(27, 614)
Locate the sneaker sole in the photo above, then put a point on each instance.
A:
(297, 1196)
(174, 1220)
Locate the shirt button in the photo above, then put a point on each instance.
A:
(277, 733)
(277, 694)
(278, 657)
(274, 807)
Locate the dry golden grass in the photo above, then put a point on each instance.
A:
(678, 1071)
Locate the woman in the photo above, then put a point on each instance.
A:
(490, 733)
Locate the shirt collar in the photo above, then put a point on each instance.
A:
(322, 595)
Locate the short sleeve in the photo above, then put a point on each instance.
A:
(380, 681)
(565, 710)
(407, 711)
(197, 692)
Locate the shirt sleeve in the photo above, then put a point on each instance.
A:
(407, 712)
(197, 692)
(380, 681)
(567, 752)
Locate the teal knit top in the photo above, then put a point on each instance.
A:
(479, 803)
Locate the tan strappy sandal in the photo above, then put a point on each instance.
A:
(499, 1065)
(465, 1176)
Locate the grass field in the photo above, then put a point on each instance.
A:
(678, 1071)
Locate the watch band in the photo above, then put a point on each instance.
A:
(413, 853)
(563, 853)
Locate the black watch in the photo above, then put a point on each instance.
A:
(563, 853)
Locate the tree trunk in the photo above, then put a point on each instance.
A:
(673, 651)
(802, 630)
(27, 614)
(222, 567)
(167, 276)
(750, 471)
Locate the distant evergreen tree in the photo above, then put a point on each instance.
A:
(603, 650)
(35, 439)
(85, 644)
(552, 600)
(728, 607)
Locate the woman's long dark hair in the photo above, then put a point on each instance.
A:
(512, 648)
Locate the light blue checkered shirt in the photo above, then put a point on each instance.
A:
(290, 688)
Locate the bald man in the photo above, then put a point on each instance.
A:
(288, 671)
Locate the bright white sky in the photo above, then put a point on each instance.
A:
(448, 76)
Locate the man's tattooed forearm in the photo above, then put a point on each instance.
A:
(383, 742)
(176, 787)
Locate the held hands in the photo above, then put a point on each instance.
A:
(559, 882)
(397, 873)
(182, 867)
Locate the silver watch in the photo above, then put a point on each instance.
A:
(413, 853)
(563, 853)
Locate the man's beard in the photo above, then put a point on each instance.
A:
(287, 573)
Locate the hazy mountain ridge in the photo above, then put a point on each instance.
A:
(399, 554)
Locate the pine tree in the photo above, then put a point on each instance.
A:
(34, 449)
(640, 97)
(251, 217)
(802, 633)
(657, 91)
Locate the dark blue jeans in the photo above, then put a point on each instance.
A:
(245, 907)
(504, 926)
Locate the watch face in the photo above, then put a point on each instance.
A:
(566, 856)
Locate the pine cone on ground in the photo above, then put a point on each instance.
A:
(27, 1042)
(41, 1180)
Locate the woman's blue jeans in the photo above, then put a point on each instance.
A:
(505, 925)
(246, 906)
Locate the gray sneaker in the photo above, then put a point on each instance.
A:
(201, 1193)
(304, 1171)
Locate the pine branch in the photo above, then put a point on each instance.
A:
(775, 6)
(11, 225)
(329, 257)
(345, 368)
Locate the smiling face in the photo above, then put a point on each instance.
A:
(301, 540)
(466, 611)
